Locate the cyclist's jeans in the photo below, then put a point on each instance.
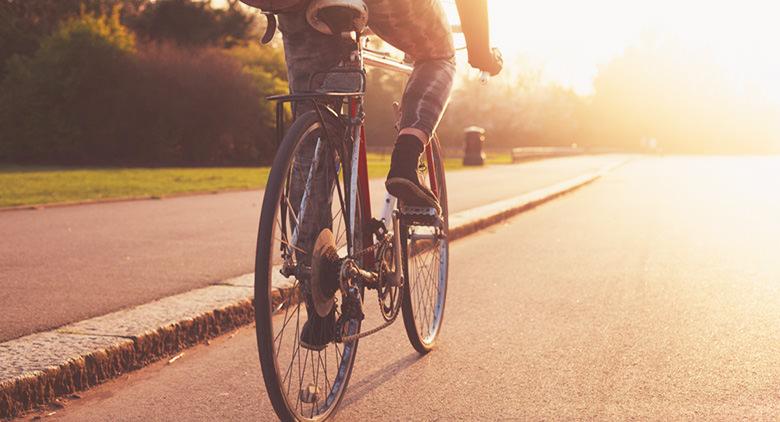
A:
(417, 27)
(311, 190)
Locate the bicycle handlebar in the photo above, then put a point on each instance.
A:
(484, 77)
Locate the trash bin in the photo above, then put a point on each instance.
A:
(473, 155)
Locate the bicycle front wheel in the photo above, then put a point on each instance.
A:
(425, 253)
(305, 193)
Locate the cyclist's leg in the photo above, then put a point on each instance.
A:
(307, 52)
(420, 29)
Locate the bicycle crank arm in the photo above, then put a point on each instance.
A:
(398, 279)
(369, 279)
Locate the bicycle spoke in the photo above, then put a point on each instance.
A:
(286, 320)
(297, 249)
(427, 298)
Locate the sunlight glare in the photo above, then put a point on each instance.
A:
(570, 39)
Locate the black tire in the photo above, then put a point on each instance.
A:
(276, 312)
(423, 315)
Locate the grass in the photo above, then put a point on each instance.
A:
(44, 185)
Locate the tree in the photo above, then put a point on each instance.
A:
(681, 97)
(87, 97)
(383, 89)
(23, 23)
(193, 24)
(58, 97)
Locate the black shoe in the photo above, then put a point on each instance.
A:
(403, 180)
(318, 331)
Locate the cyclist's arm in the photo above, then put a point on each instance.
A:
(474, 22)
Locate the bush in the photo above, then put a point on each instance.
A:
(88, 98)
(265, 67)
(187, 107)
(62, 97)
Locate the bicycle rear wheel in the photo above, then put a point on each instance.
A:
(302, 384)
(426, 262)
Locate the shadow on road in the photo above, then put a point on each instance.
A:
(371, 381)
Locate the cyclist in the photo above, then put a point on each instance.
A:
(420, 29)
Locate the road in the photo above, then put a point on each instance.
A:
(653, 293)
(62, 265)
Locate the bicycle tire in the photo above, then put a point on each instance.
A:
(423, 320)
(268, 312)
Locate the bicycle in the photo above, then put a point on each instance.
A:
(402, 255)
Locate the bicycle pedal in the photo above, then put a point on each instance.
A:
(310, 394)
(407, 210)
(420, 216)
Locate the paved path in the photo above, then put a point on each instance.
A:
(653, 293)
(62, 265)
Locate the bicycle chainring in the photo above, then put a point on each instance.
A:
(388, 294)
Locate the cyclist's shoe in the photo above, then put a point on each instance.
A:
(403, 180)
(318, 331)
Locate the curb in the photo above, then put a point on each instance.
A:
(38, 368)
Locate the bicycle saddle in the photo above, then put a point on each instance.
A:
(334, 17)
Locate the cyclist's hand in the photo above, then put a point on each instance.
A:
(491, 63)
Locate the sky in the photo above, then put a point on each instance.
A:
(569, 39)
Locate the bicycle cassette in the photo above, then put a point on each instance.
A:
(325, 269)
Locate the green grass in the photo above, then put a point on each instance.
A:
(44, 185)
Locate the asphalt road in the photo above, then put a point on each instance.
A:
(653, 293)
(62, 265)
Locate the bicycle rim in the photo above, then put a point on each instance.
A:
(302, 384)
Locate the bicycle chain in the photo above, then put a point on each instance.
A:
(380, 327)
(371, 248)
(396, 311)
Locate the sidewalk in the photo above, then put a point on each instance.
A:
(63, 265)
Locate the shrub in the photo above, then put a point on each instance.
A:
(61, 97)
(87, 97)
(193, 107)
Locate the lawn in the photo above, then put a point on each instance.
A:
(45, 185)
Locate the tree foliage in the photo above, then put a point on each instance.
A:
(193, 24)
(57, 98)
(90, 96)
(516, 110)
(23, 23)
(680, 97)
(383, 88)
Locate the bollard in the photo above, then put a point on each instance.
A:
(473, 155)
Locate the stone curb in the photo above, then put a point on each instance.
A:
(475, 219)
(36, 369)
